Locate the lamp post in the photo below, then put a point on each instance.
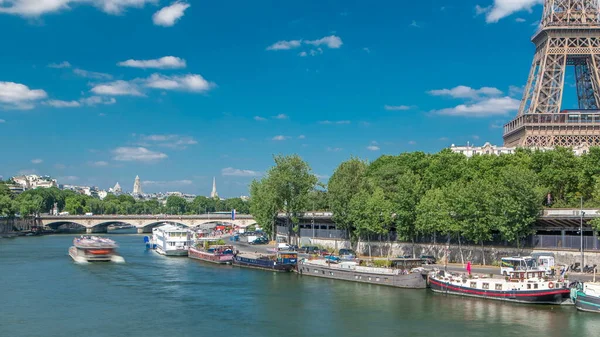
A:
(582, 213)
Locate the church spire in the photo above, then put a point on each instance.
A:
(214, 193)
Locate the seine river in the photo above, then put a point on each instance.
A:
(43, 293)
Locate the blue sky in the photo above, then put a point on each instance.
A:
(95, 92)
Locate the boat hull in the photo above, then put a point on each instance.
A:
(78, 255)
(173, 252)
(550, 296)
(587, 303)
(208, 257)
(262, 264)
(409, 281)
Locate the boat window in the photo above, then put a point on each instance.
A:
(498, 286)
(473, 284)
(535, 286)
(528, 286)
(377, 279)
(486, 286)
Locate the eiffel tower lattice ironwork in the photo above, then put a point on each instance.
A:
(569, 36)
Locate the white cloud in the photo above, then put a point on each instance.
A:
(280, 138)
(91, 74)
(302, 137)
(488, 107)
(68, 179)
(302, 54)
(412, 142)
(482, 10)
(414, 24)
(19, 96)
(321, 176)
(165, 62)
(520, 20)
(513, 90)
(117, 88)
(97, 100)
(504, 8)
(327, 122)
(98, 163)
(184, 182)
(259, 119)
(285, 45)
(190, 82)
(168, 16)
(230, 171)
(462, 91)
(397, 107)
(281, 116)
(37, 161)
(367, 50)
(140, 154)
(332, 41)
(62, 104)
(64, 64)
(35, 8)
(476, 137)
(2, 121)
(334, 149)
(170, 141)
(373, 148)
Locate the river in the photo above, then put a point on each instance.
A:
(43, 293)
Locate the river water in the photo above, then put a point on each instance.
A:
(43, 293)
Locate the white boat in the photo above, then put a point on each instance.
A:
(172, 240)
(94, 249)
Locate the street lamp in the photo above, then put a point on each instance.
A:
(582, 213)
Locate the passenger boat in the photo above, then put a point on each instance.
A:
(121, 229)
(586, 296)
(94, 249)
(528, 286)
(403, 273)
(219, 254)
(171, 240)
(282, 261)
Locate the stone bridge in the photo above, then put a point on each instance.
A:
(144, 223)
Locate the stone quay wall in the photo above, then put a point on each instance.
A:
(469, 252)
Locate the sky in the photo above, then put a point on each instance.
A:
(94, 92)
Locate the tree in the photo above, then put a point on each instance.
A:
(291, 180)
(7, 206)
(29, 204)
(557, 170)
(74, 205)
(347, 181)
(371, 214)
(176, 205)
(263, 205)
(405, 200)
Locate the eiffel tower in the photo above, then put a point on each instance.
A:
(569, 36)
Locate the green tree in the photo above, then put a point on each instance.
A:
(7, 206)
(409, 191)
(176, 205)
(371, 214)
(74, 205)
(348, 180)
(263, 205)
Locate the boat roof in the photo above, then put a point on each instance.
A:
(172, 228)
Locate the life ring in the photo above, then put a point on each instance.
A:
(550, 285)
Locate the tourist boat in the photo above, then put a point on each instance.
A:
(121, 229)
(219, 254)
(529, 286)
(171, 240)
(586, 296)
(403, 273)
(94, 249)
(282, 261)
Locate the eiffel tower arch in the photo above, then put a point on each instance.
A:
(569, 36)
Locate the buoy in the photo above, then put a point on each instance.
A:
(550, 285)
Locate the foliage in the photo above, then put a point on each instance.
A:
(347, 180)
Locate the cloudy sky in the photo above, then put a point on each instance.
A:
(97, 91)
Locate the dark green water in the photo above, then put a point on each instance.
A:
(43, 293)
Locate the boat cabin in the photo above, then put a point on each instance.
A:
(520, 275)
(405, 263)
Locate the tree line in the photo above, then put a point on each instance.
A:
(42, 200)
(417, 194)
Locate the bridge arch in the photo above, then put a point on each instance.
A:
(66, 226)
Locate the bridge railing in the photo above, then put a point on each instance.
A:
(566, 242)
(570, 212)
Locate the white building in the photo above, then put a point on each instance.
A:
(487, 148)
(213, 193)
(137, 186)
(33, 181)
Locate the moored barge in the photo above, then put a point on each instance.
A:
(94, 249)
(521, 287)
(403, 273)
(219, 254)
(282, 261)
(586, 296)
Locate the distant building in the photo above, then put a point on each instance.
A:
(137, 186)
(117, 189)
(102, 194)
(487, 148)
(28, 182)
(245, 198)
(214, 193)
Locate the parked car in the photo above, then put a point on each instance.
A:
(292, 248)
(347, 254)
(323, 252)
(332, 259)
(428, 259)
(309, 250)
(260, 241)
